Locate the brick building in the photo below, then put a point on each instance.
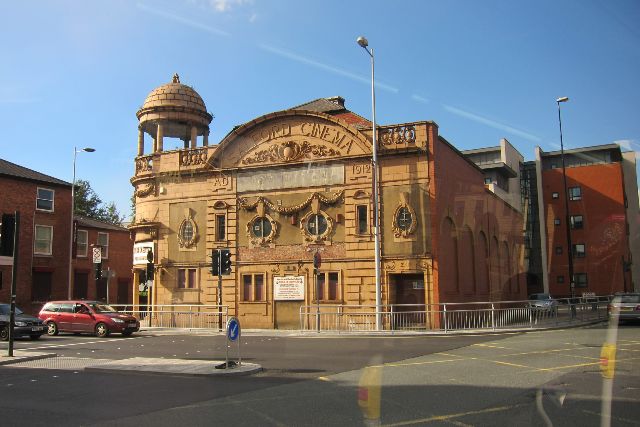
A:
(116, 246)
(603, 211)
(44, 204)
(288, 184)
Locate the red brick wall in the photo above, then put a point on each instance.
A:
(463, 210)
(604, 232)
(20, 195)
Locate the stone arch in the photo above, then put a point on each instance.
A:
(494, 268)
(466, 261)
(505, 270)
(482, 264)
(448, 257)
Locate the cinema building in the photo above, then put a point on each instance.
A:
(287, 185)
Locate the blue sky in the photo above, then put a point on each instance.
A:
(74, 73)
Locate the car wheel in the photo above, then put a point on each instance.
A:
(34, 337)
(52, 328)
(4, 333)
(102, 330)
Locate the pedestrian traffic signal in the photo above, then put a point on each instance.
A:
(225, 262)
(215, 262)
(98, 266)
(150, 267)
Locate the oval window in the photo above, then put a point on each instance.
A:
(316, 224)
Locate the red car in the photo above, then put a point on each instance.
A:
(86, 317)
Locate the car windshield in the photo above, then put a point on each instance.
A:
(6, 309)
(628, 299)
(103, 308)
(539, 297)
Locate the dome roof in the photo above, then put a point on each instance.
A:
(174, 94)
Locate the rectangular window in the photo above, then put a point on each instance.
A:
(575, 193)
(555, 195)
(103, 242)
(82, 243)
(488, 181)
(43, 240)
(579, 250)
(362, 219)
(253, 287)
(187, 278)
(580, 280)
(558, 250)
(45, 199)
(559, 279)
(221, 228)
(41, 286)
(556, 221)
(328, 286)
(576, 221)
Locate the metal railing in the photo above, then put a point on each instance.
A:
(190, 316)
(448, 317)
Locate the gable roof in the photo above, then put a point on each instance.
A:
(84, 221)
(334, 106)
(16, 171)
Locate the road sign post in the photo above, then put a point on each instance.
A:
(233, 334)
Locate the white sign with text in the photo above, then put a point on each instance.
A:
(288, 288)
(140, 251)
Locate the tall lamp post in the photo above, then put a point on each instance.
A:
(374, 165)
(572, 283)
(73, 211)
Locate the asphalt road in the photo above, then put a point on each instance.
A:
(424, 380)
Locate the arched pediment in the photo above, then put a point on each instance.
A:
(291, 136)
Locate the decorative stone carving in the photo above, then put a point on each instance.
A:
(196, 156)
(188, 231)
(316, 227)
(289, 210)
(144, 164)
(398, 135)
(404, 218)
(290, 151)
(144, 190)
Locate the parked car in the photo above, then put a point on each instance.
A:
(86, 317)
(624, 306)
(542, 302)
(24, 324)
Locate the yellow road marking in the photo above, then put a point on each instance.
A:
(324, 379)
(450, 417)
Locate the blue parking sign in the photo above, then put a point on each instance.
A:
(233, 329)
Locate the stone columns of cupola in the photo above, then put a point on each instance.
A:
(159, 139)
(194, 137)
(140, 141)
(205, 138)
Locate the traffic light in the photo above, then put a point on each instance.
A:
(98, 266)
(225, 261)
(150, 267)
(215, 262)
(7, 229)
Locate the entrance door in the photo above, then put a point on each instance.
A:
(407, 295)
(123, 292)
(80, 285)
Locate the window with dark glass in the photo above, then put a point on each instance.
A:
(103, 243)
(362, 218)
(488, 181)
(579, 250)
(580, 280)
(82, 241)
(316, 224)
(253, 287)
(327, 286)
(576, 221)
(187, 231)
(575, 193)
(261, 227)
(44, 201)
(221, 230)
(186, 278)
(404, 219)
(556, 221)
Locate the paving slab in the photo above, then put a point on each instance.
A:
(164, 366)
(23, 356)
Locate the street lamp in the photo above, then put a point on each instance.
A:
(572, 284)
(73, 211)
(374, 165)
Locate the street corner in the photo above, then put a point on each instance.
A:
(24, 356)
(179, 367)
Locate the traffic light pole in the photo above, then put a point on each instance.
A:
(219, 254)
(14, 274)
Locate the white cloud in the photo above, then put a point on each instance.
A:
(183, 20)
(491, 123)
(420, 99)
(223, 6)
(253, 18)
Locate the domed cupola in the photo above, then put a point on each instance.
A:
(173, 110)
